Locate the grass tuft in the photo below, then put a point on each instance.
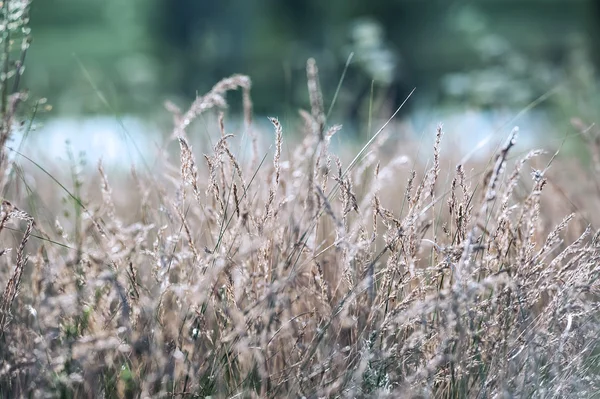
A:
(316, 275)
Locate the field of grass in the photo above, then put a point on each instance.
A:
(294, 272)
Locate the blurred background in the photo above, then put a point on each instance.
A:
(475, 64)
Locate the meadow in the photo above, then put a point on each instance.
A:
(383, 271)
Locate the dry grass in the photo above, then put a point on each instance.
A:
(292, 275)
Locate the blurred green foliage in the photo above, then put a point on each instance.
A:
(483, 53)
(110, 38)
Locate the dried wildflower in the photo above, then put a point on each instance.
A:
(13, 284)
(106, 192)
(212, 99)
(278, 141)
(316, 98)
(189, 172)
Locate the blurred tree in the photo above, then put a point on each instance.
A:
(109, 37)
(457, 51)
